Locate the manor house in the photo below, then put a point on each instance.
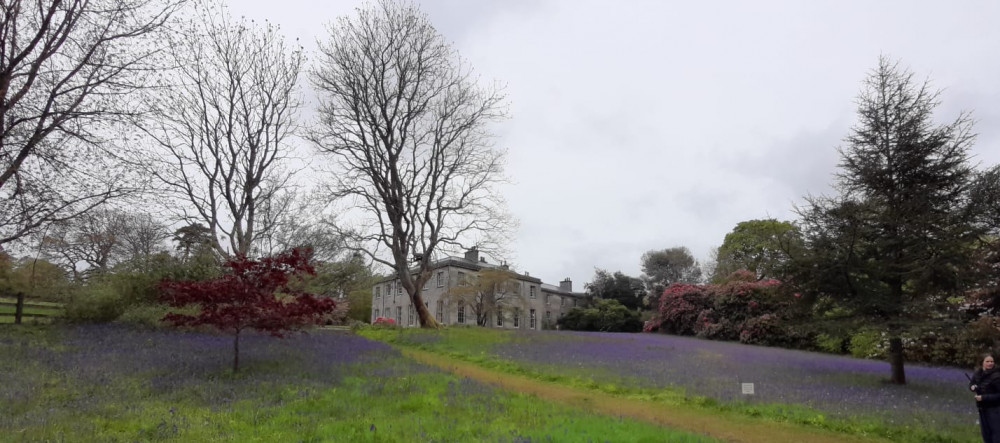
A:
(530, 304)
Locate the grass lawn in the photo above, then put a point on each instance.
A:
(807, 390)
(116, 383)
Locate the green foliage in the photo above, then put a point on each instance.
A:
(665, 267)
(762, 247)
(349, 281)
(830, 343)
(901, 235)
(603, 315)
(867, 343)
(629, 291)
(96, 303)
(38, 279)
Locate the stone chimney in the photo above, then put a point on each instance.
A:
(472, 254)
(566, 285)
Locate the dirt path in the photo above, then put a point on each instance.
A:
(725, 427)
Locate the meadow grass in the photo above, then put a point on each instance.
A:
(481, 345)
(116, 383)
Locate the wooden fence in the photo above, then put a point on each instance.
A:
(18, 309)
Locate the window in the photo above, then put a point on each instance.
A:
(531, 319)
(562, 301)
(399, 315)
(500, 317)
(399, 288)
(409, 315)
(440, 278)
(440, 311)
(461, 279)
(548, 318)
(517, 317)
(531, 291)
(378, 292)
(375, 316)
(461, 311)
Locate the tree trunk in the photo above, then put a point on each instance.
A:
(426, 319)
(236, 352)
(896, 361)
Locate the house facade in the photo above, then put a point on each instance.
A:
(452, 297)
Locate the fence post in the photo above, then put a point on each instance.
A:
(19, 310)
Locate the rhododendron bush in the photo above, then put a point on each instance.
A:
(741, 309)
(252, 294)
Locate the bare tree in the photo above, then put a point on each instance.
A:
(224, 126)
(493, 292)
(97, 241)
(409, 126)
(67, 71)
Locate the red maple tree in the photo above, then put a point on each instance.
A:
(252, 294)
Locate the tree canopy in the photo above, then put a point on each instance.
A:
(763, 247)
(627, 290)
(665, 267)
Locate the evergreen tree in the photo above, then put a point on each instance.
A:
(897, 239)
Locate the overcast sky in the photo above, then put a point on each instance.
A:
(640, 125)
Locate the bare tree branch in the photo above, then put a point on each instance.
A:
(409, 127)
(68, 69)
(224, 126)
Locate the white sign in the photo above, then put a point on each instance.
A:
(747, 388)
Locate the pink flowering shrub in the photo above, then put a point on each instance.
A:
(741, 309)
(383, 322)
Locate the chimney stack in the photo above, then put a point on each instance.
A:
(472, 254)
(566, 285)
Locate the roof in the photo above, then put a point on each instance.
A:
(557, 290)
(464, 263)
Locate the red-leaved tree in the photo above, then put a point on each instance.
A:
(252, 294)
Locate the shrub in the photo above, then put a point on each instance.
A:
(830, 343)
(867, 343)
(741, 309)
(95, 303)
(605, 315)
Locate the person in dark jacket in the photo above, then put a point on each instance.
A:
(985, 384)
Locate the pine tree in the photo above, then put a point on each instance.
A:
(897, 239)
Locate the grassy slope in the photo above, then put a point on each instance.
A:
(729, 427)
(469, 346)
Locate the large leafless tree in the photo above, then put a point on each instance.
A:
(224, 126)
(409, 127)
(67, 71)
(95, 242)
